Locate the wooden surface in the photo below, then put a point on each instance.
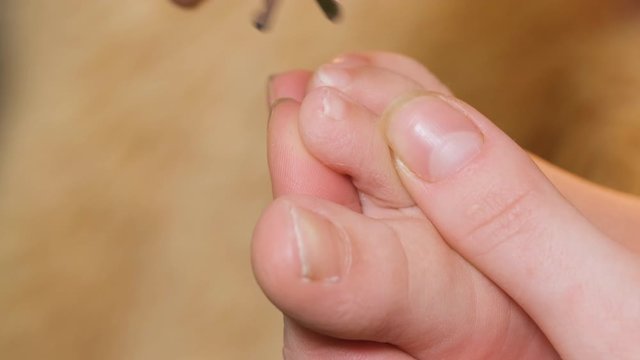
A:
(132, 163)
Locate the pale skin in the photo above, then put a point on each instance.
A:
(406, 257)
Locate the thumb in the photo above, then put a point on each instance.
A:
(493, 205)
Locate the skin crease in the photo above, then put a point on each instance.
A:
(580, 192)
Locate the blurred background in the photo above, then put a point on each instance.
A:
(132, 147)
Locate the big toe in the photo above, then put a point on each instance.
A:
(345, 275)
(342, 274)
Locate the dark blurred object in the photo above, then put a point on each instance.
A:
(261, 21)
(331, 9)
(3, 59)
(187, 3)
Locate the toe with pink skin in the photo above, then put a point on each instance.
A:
(294, 170)
(335, 130)
(327, 293)
(287, 85)
(399, 64)
(365, 84)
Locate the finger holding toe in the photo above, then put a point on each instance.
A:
(517, 228)
(611, 212)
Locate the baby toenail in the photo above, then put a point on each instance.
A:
(322, 247)
(333, 105)
(333, 76)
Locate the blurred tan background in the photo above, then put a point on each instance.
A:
(132, 148)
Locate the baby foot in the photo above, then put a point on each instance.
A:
(321, 154)
(381, 273)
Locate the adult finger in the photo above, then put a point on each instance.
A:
(494, 206)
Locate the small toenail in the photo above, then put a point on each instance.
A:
(333, 76)
(322, 247)
(333, 105)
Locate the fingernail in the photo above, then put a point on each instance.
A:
(322, 247)
(333, 105)
(332, 75)
(433, 138)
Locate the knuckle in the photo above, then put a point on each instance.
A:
(503, 218)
